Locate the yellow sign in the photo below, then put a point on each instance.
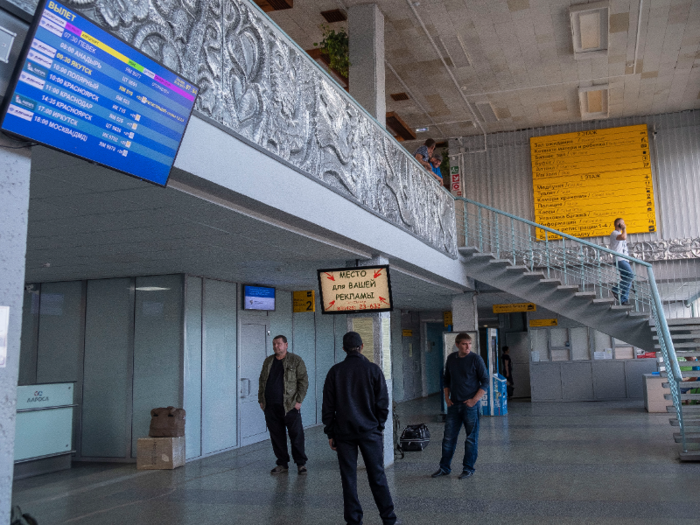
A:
(407, 333)
(304, 301)
(583, 181)
(360, 289)
(446, 319)
(514, 307)
(534, 323)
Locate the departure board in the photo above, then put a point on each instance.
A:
(583, 181)
(81, 90)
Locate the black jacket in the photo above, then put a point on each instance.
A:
(355, 398)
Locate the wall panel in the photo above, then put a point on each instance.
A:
(193, 366)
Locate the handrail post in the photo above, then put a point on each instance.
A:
(546, 250)
(512, 239)
(563, 247)
(481, 233)
(532, 254)
(498, 239)
(466, 230)
(583, 262)
(600, 275)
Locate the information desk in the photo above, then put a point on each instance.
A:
(44, 430)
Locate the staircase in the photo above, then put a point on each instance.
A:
(579, 280)
(685, 334)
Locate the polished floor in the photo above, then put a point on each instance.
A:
(567, 463)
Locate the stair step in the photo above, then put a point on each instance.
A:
(690, 426)
(680, 328)
(685, 320)
(690, 437)
(681, 337)
(690, 410)
(551, 281)
(622, 307)
(691, 455)
(604, 300)
(480, 255)
(638, 314)
(505, 262)
(518, 268)
(681, 345)
(534, 274)
(683, 397)
(468, 250)
(585, 294)
(568, 287)
(686, 384)
(685, 373)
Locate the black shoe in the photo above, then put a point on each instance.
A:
(439, 473)
(625, 303)
(301, 470)
(615, 296)
(466, 474)
(279, 469)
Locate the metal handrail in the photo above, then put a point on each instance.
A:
(595, 272)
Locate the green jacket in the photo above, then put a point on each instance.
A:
(296, 380)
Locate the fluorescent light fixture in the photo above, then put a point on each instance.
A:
(151, 289)
(589, 29)
(422, 130)
(593, 102)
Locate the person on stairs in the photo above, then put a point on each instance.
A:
(618, 243)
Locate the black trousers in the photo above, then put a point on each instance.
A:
(279, 423)
(372, 449)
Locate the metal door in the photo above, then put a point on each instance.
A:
(254, 349)
(519, 345)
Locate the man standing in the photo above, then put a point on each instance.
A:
(355, 409)
(618, 243)
(424, 153)
(466, 381)
(282, 388)
(508, 370)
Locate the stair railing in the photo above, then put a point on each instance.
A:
(590, 268)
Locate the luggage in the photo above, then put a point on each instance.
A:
(167, 422)
(415, 437)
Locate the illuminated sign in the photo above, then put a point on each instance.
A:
(583, 181)
(81, 90)
(513, 308)
(348, 290)
(534, 323)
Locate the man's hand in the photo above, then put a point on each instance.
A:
(331, 442)
(449, 402)
(470, 402)
(297, 406)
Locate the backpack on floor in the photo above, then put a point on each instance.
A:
(415, 437)
(18, 518)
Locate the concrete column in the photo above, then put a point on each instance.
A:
(375, 329)
(465, 317)
(14, 211)
(366, 36)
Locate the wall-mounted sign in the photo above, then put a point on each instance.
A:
(4, 331)
(407, 333)
(304, 301)
(82, 90)
(583, 181)
(455, 181)
(513, 308)
(359, 289)
(446, 319)
(535, 323)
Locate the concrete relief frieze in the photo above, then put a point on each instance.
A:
(254, 81)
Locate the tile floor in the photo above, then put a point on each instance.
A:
(566, 463)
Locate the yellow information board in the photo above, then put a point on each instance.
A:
(407, 333)
(583, 181)
(534, 323)
(446, 319)
(348, 290)
(513, 308)
(304, 301)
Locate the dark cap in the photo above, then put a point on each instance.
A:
(352, 340)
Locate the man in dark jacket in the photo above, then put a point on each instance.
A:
(355, 409)
(466, 381)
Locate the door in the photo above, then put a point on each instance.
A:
(434, 357)
(253, 352)
(519, 345)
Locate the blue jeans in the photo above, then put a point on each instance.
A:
(626, 277)
(457, 415)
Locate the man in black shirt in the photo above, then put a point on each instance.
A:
(355, 410)
(282, 388)
(466, 381)
(508, 370)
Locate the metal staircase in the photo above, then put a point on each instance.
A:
(576, 279)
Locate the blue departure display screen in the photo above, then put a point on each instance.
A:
(258, 298)
(81, 90)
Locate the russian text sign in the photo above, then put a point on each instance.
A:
(304, 301)
(513, 308)
(83, 91)
(534, 323)
(583, 181)
(361, 289)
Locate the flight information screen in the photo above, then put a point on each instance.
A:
(81, 90)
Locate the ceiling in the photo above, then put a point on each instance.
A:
(88, 222)
(521, 60)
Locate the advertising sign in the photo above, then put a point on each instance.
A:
(513, 308)
(360, 289)
(81, 90)
(455, 181)
(304, 301)
(583, 181)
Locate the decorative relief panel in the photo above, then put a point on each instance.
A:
(257, 83)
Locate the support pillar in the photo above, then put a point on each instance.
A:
(465, 316)
(366, 77)
(375, 330)
(14, 210)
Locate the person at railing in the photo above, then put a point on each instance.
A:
(424, 153)
(618, 243)
(435, 162)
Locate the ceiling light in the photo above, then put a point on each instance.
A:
(422, 130)
(151, 289)
(593, 102)
(589, 29)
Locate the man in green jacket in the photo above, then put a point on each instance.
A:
(283, 384)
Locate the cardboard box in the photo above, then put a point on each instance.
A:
(160, 453)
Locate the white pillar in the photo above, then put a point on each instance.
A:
(366, 77)
(378, 350)
(14, 210)
(465, 316)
